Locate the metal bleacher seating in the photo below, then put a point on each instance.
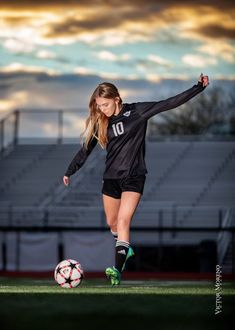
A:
(182, 173)
(187, 180)
(192, 172)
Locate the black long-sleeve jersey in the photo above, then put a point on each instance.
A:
(126, 136)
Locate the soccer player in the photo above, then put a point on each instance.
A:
(120, 128)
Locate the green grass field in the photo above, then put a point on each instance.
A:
(41, 304)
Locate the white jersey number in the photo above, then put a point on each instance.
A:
(118, 129)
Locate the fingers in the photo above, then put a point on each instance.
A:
(66, 180)
(200, 77)
(204, 80)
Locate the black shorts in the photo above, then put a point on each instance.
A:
(115, 187)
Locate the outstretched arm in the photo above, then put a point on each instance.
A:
(149, 109)
(79, 159)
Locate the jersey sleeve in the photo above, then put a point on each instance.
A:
(149, 109)
(80, 158)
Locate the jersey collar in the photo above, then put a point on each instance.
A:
(120, 113)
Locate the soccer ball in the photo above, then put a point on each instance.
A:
(68, 273)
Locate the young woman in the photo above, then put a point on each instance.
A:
(120, 128)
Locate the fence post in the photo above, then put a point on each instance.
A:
(233, 253)
(60, 126)
(18, 250)
(16, 127)
(2, 135)
(102, 219)
(4, 253)
(220, 218)
(174, 220)
(160, 223)
(60, 246)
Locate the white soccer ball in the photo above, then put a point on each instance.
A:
(68, 273)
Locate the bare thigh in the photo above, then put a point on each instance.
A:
(129, 203)
(111, 208)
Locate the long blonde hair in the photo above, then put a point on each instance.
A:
(96, 123)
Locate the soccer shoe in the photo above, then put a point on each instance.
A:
(114, 275)
(130, 254)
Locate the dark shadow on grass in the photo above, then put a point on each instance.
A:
(116, 311)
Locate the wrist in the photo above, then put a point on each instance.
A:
(199, 83)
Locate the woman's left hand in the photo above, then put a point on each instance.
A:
(204, 80)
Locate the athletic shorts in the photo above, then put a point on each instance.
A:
(115, 187)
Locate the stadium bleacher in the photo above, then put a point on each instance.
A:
(191, 182)
(178, 172)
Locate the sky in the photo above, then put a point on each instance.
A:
(54, 53)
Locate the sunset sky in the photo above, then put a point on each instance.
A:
(53, 53)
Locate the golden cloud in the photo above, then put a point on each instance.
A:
(91, 21)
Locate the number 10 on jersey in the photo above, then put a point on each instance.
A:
(118, 129)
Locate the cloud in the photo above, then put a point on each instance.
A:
(114, 22)
(45, 54)
(218, 48)
(30, 28)
(83, 70)
(148, 66)
(159, 60)
(33, 91)
(109, 56)
(198, 60)
(41, 90)
(18, 67)
(18, 46)
(217, 31)
(49, 4)
(16, 99)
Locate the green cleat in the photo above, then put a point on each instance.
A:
(114, 275)
(130, 254)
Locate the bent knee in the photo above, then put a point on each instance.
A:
(123, 222)
(111, 221)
